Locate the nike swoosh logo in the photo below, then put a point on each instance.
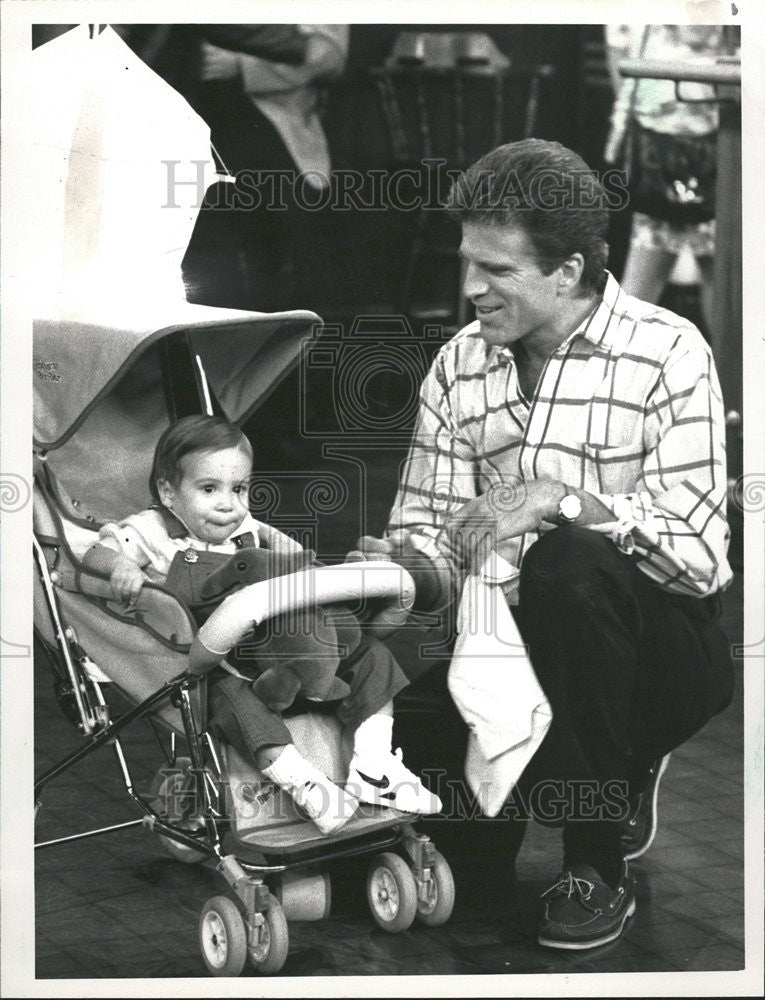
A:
(377, 782)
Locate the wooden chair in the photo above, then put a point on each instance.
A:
(446, 99)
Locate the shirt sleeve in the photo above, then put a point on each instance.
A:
(278, 42)
(440, 475)
(675, 522)
(326, 52)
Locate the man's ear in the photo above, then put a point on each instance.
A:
(570, 272)
(166, 492)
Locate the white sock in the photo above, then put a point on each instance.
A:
(290, 769)
(373, 737)
(324, 802)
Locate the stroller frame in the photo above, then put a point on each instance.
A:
(251, 919)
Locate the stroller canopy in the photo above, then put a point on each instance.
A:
(101, 398)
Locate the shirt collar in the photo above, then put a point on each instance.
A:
(174, 527)
(595, 325)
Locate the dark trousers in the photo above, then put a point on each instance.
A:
(630, 671)
(240, 717)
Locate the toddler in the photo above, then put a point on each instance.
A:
(199, 481)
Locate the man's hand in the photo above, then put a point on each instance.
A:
(503, 512)
(126, 580)
(399, 548)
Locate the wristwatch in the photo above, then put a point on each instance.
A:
(569, 509)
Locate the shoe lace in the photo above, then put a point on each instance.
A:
(569, 884)
(637, 809)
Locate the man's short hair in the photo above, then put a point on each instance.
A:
(189, 435)
(549, 192)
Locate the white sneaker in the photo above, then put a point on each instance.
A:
(326, 804)
(387, 782)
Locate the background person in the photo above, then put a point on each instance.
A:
(265, 119)
(655, 244)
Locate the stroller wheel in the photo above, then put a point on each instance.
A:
(174, 800)
(435, 905)
(222, 937)
(392, 892)
(269, 952)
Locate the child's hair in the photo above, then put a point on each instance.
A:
(189, 435)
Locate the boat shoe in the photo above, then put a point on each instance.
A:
(582, 911)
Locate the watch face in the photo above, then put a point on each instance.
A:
(570, 507)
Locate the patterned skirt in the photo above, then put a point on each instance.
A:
(658, 235)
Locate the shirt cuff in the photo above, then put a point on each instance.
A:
(634, 520)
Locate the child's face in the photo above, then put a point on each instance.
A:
(211, 497)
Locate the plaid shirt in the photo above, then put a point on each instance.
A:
(628, 408)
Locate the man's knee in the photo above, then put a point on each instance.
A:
(569, 563)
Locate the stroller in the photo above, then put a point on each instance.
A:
(206, 804)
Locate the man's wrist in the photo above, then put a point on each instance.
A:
(556, 491)
(590, 509)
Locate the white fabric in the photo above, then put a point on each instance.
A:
(494, 686)
(143, 538)
(109, 136)
(374, 738)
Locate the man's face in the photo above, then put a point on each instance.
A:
(211, 497)
(512, 298)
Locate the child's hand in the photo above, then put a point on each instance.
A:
(126, 580)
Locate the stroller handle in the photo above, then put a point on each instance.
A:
(251, 605)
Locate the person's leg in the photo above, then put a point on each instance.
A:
(707, 293)
(434, 734)
(374, 678)
(377, 775)
(261, 221)
(240, 718)
(631, 672)
(647, 268)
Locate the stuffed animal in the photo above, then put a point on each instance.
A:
(293, 653)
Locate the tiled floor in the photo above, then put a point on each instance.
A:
(117, 906)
